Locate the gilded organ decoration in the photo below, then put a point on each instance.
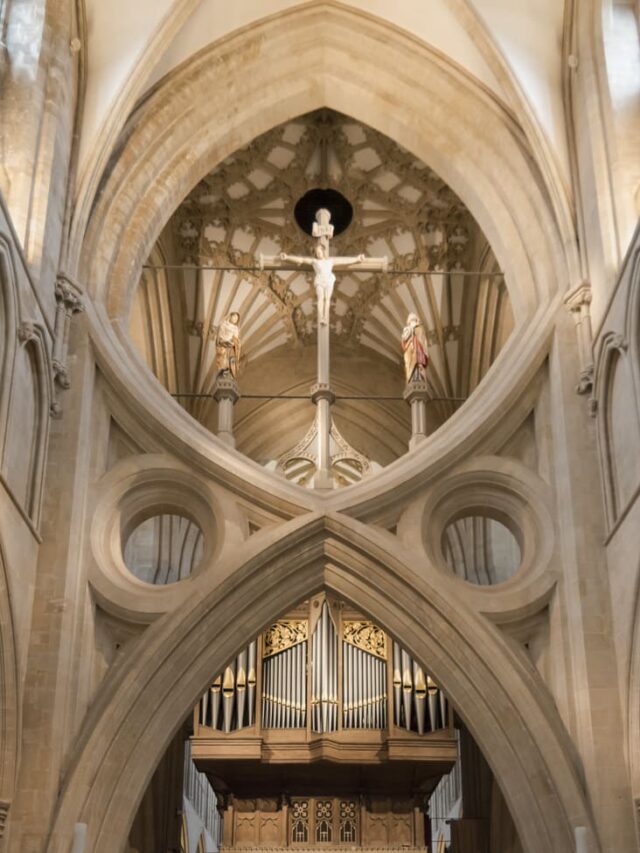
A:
(327, 688)
(284, 634)
(366, 636)
(336, 677)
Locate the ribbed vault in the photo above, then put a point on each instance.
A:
(245, 207)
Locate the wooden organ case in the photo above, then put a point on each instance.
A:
(323, 733)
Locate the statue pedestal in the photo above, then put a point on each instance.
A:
(226, 394)
(416, 395)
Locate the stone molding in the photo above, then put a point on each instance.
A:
(521, 500)
(578, 303)
(137, 488)
(514, 721)
(349, 34)
(68, 302)
(535, 259)
(492, 409)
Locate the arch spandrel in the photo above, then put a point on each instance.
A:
(497, 694)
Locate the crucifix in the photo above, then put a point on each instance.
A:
(322, 266)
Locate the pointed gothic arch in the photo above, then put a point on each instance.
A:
(252, 80)
(499, 696)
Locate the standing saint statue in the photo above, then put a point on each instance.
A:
(228, 346)
(414, 347)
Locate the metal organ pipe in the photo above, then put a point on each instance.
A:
(364, 688)
(397, 684)
(407, 689)
(419, 695)
(228, 690)
(432, 691)
(251, 682)
(419, 704)
(216, 689)
(229, 704)
(284, 688)
(241, 688)
(324, 673)
(204, 709)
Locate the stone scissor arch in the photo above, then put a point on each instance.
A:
(145, 700)
(252, 80)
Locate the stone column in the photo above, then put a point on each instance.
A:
(323, 397)
(68, 303)
(416, 395)
(226, 394)
(579, 304)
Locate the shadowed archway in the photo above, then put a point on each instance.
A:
(497, 694)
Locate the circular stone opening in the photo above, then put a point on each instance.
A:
(481, 550)
(313, 200)
(163, 549)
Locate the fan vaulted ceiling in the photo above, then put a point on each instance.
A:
(244, 207)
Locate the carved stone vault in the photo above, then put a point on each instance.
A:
(244, 207)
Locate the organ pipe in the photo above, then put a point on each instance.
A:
(362, 660)
(216, 687)
(284, 688)
(324, 668)
(251, 683)
(419, 704)
(228, 693)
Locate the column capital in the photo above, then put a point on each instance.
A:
(226, 388)
(68, 293)
(578, 300)
(416, 390)
(322, 391)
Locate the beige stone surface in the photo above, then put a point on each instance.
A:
(98, 670)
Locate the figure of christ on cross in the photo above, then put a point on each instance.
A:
(322, 265)
(323, 279)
